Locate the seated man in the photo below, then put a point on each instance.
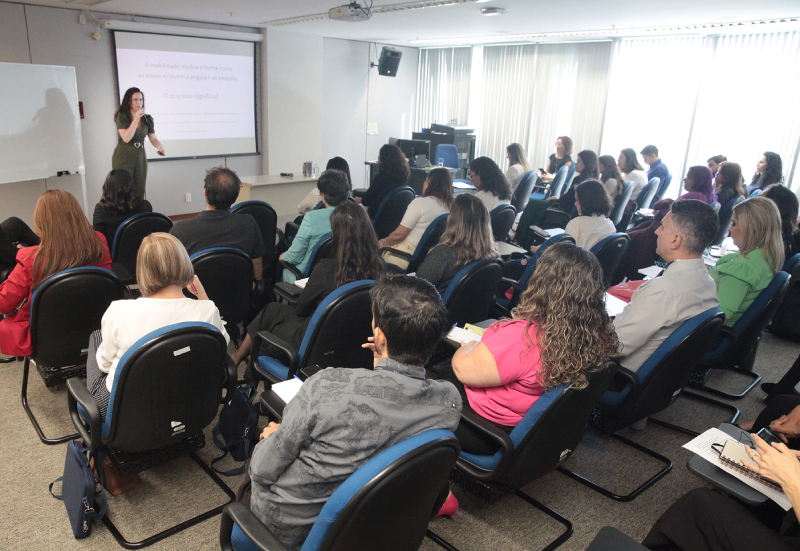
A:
(683, 291)
(341, 418)
(657, 167)
(216, 226)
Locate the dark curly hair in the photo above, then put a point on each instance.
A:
(773, 174)
(594, 198)
(492, 178)
(119, 192)
(392, 162)
(356, 245)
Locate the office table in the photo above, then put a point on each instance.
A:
(283, 193)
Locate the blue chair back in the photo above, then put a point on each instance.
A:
(792, 267)
(392, 209)
(648, 192)
(558, 182)
(620, 202)
(662, 189)
(526, 275)
(715, 205)
(448, 153)
(470, 293)
(725, 217)
(523, 192)
(756, 192)
(609, 252)
(502, 220)
(568, 180)
(322, 249)
(267, 220)
(430, 238)
(130, 234)
(227, 276)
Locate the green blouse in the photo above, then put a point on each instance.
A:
(740, 279)
(145, 127)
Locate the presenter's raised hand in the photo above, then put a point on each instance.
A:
(137, 115)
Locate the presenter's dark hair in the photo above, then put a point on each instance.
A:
(222, 187)
(631, 161)
(594, 198)
(492, 178)
(787, 203)
(392, 162)
(697, 222)
(125, 106)
(355, 245)
(410, 313)
(439, 185)
(338, 163)
(650, 150)
(334, 185)
(773, 173)
(119, 192)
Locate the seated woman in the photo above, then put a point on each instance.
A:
(714, 162)
(787, 203)
(740, 277)
(728, 182)
(437, 196)
(558, 334)
(163, 270)
(699, 185)
(517, 165)
(117, 204)
(356, 257)
(67, 241)
(558, 159)
(393, 172)
(611, 176)
(488, 179)
(591, 225)
(333, 189)
(769, 170)
(311, 200)
(632, 171)
(467, 238)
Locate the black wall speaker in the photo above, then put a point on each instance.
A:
(389, 61)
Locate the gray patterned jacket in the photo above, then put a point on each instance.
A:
(339, 420)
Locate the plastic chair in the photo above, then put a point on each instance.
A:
(470, 294)
(267, 220)
(129, 236)
(502, 219)
(546, 436)
(322, 249)
(725, 217)
(386, 504)
(662, 189)
(648, 192)
(523, 192)
(392, 209)
(620, 203)
(735, 348)
(430, 238)
(609, 252)
(65, 310)
(449, 155)
(166, 391)
(340, 325)
(653, 388)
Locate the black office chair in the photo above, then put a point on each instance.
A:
(662, 190)
(227, 276)
(166, 390)
(523, 192)
(129, 236)
(430, 238)
(392, 209)
(65, 310)
(267, 220)
(725, 217)
(653, 388)
(621, 203)
(609, 252)
(546, 436)
(386, 504)
(502, 219)
(784, 322)
(322, 249)
(736, 346)
(470, 293)
(648, 192)
(340, 325)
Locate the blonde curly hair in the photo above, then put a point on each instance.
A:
(565, 299)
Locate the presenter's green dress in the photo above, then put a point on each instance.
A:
(131, 156)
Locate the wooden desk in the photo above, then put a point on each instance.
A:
(283, 193)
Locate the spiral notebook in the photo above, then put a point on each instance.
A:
(733, 454)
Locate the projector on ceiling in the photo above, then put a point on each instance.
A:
(350, 12)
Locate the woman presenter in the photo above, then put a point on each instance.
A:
(133, 125)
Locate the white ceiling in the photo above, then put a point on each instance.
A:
(457, 21)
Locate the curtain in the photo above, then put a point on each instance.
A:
(443, 86)
(749, 101)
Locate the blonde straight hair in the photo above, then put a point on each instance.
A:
(518, 156)
(469, 231)
(162, 261)
(760, 223)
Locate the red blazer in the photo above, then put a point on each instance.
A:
(15, 330)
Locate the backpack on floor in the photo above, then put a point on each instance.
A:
(238, 427)
(78, 488)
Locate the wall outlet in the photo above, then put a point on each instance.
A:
(188, 197)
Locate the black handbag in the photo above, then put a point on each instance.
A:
(238, 427)
(78, 488)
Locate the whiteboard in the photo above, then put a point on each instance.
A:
(40, 125)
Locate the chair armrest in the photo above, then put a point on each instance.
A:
(288, 292)
(478, 423)
(629, 375)
(122, 273)
(401, 254)
(727, 333)
(292, 268)
(232, 376)
(286, 354)
(254, 529)
(77, 393)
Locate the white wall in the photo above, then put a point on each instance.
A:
(56, 38)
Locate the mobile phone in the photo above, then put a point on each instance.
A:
(308, 371)
(767, 436)
(161, 154)
(542, 171)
